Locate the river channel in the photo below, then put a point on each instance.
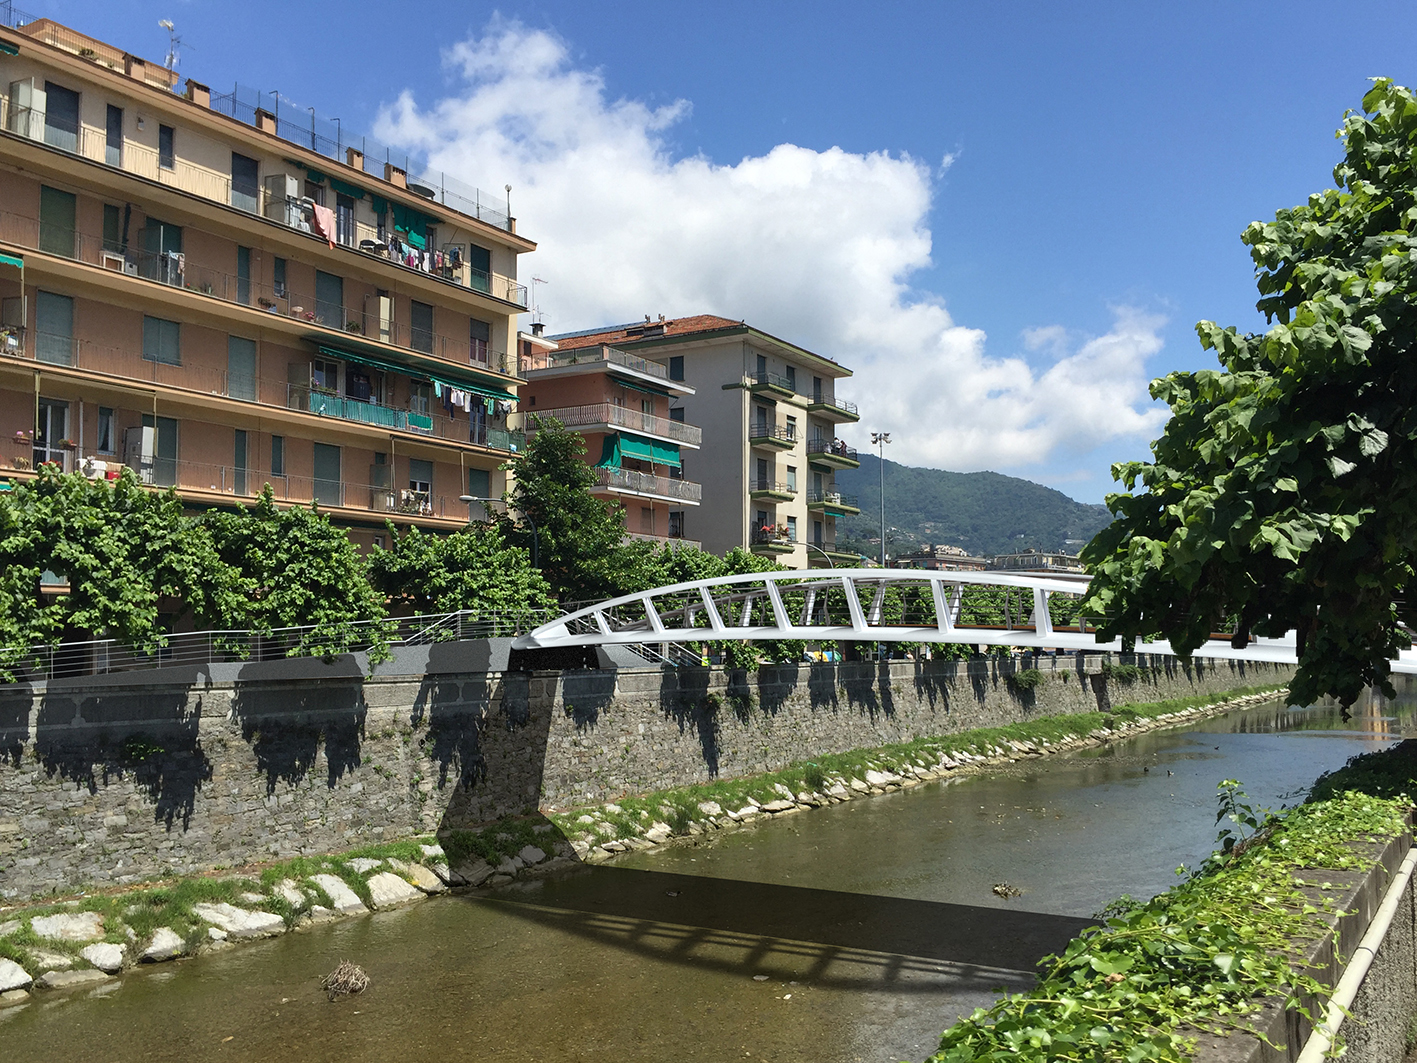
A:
(874, 923)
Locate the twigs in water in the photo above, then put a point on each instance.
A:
(345, 980)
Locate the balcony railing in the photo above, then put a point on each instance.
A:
(836, 404)
(678, 542)
(591, 356)
(125, 364)
(763, 430)
(176, 270)
(643, 483)
(294, 213)
(775, 487)
(831, 498)
(623, 417)
(771, 380)
(831, 448)
(778, 536)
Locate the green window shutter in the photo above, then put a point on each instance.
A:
(54, 328)
(57, 211)
(162, 341)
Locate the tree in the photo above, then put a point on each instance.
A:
(473, 569)
(303, 572)
(133, 563)
(1283, 492)
(577, 536)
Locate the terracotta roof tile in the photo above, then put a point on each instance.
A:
(679, 326)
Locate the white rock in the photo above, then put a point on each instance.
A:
(585, 819)
(658, 833)
(475, 872)
(710, 808)
(51, 961)
(106, 957)
(780, 805)
(746, 810)
(530, 854)
(387, 890)
(238, 922)
(71, 979)
(364, 865)
(8, 928)
(320, 914)
(420, 876)
(12, 976)
(214, 934)
(880, 778)
(857, 785)
(13, 997)
(432, 850)
(613, 809)
(443, 872)
(838, 791)
(341, 896)
(166, 945)
(69, 926)
(288, 890)
(251, 898)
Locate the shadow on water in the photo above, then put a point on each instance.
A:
(825, 937)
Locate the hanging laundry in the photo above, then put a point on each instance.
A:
(437, 389)
(325, 223)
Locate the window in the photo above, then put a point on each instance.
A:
(420, 475)
(676, 367)
(278, 277)
(792, 377)
(57, 211)
(386, 314)
(421, 327)
(104, 441)
(646, 520)
(54, 328)
(344, 219)
(792, 428)
(481, 337)
(762, 420)
(162, 252)
(113, 137)
(51, 429)
(277, 455)
(677, 414)
(763, 522)
(112, 229)
(61, 117)
(358, 384)
(792, 529)
(162, 341)
(479, 274)
(792, 478)
(418, 398)
(329, 299)
(241, 368)
(817, 534)
(764, 481)
(762, 369)
(166, 149)
(238, 462)
(676, 524)
(315, 193)
(243, 275)
(324, 374)
(245, 183)
(327, 487)
(816, 389)
(163, 471)
(479, 483)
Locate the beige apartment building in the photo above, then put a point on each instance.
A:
(769, 453)
(215, 296)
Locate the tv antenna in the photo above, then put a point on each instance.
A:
(173, 43)
(535, 304)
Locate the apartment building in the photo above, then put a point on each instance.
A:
(218, 298)
(632, 417)
(769, 452)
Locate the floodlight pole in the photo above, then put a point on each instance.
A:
(880, 439)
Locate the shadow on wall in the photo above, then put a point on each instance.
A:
(685, 698)
(286, 726)
(148, 735)
(15, 703)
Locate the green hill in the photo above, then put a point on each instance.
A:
(982, 512)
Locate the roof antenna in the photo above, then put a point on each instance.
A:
(173, 43)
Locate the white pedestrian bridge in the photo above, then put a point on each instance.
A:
(872, 605)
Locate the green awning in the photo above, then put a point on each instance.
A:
(7, 259)
(6, 48)
(346, 190)
(388, 365)
(635, 385)
(652, 450)
(609, 453)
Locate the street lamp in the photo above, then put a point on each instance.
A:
(813, 546)
(535, 536)
(879, 440)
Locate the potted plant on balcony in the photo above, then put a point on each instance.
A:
(354, 327)
(266, 304)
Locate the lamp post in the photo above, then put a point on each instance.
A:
(813, 546)
(879, 440)
(535, 536)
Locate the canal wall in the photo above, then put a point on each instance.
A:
(112, 779)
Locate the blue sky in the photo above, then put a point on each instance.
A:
(1030, 207)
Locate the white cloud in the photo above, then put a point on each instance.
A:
(815, 246)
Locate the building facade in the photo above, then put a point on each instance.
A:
(632, 417)
(189, 291)
(769, 451)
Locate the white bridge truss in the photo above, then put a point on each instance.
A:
(870, 605)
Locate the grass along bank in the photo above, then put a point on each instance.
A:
(167, 919)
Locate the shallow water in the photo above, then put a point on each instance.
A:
(873, 920)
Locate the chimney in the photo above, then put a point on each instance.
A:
(199, 94)
(265, 121)
(396, 177)
(354, 158)
(538, 327)
(135, 68)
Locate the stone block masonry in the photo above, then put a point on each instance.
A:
(109, 780)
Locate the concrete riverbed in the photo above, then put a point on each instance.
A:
(851, 933)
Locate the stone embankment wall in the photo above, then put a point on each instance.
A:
(113, 779)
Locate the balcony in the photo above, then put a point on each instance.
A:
(674, 542)
(607, 416)
(833, 502)
(837, 411)
(647, 485)
(448, 262)
(769, 384)
(832, 454)
(771, 540)
(771, 436)
(129, 365)
(824, 554)
(771, 490)
(600, 357)
(176, 270)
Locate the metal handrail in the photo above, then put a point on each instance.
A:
(831, 498)
(834, 447)
(772, 380)
(648, 483)
(767, 430)
(590, 355)
(624, 417)
(776, 486)
(836, 404)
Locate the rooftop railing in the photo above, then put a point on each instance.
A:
(601, 354)
(644, 483)
(624, 417)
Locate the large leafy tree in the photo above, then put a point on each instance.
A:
(302, 572)
(131, 560)
(1283, 492)
(475, 569)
